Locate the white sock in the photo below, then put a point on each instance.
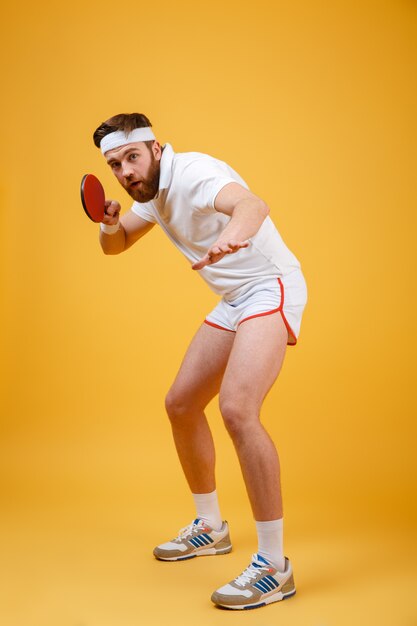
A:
(270, 542)
(207, 506)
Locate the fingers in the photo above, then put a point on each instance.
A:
(228, 247)
(212, 256)
(201, 263)
(111, 212)
(218, 251)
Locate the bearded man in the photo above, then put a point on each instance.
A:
(224, 230)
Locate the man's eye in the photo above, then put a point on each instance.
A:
(115, 165)
(133, 155)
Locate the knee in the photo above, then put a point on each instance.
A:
(175, 404)
(238, 417)
(181, 405)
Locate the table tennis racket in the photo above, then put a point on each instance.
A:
(92, 197)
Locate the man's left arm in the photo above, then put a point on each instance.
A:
(247, 212)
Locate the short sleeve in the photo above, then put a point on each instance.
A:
(203, 178)
(144, 210)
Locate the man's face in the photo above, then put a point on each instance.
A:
(137, 169)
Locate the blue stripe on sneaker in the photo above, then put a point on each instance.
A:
(194, 543)
(254, 606)
(261, 558)
(261, 586)
(272, 580)
(267, 583)
(203, 540)
(210, 540)
(184, 558)
(198, 542)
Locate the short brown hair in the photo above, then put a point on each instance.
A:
(125, 122)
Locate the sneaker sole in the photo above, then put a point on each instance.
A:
(276, 597)
(205, 552)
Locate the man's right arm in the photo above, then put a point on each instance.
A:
(131, 228)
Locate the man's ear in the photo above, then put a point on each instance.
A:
(157, 150)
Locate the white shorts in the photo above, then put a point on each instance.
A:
(286, 295)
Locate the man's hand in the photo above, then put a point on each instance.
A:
(111, 212)
(218, 251)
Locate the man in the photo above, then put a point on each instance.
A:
(209, 213)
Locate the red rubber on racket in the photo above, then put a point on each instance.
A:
(92, 197)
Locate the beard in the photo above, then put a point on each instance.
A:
(147, 188)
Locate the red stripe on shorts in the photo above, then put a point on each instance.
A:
(278, 310)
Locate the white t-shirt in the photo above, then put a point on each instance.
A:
(184, 208)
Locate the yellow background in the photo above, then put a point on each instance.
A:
(314, 104)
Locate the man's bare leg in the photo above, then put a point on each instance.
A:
(197, 382)
(255, 362)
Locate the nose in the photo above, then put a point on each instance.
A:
(127, 169)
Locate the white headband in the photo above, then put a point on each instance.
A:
(120, 138)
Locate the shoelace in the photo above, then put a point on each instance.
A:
(188, 530)
(250, 573)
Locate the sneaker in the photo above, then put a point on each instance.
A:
(197, 539)
(261, 583)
